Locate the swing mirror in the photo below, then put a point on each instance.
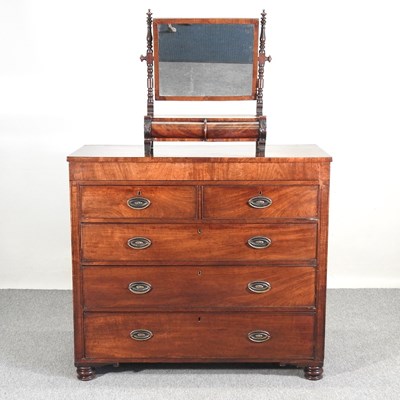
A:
(205, 59)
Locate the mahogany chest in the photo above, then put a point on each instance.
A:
(220, 258)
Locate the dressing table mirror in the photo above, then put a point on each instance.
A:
(205, 60)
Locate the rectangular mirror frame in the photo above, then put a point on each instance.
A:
(175, 21)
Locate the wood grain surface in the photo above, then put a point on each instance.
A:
(166, 202)
(198, 335)
(106, 287)
(199, 242)
(287, 201)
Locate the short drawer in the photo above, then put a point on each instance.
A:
(130, 287)
(198, 336)
(255, 202)
(185, 243)
(141, 202)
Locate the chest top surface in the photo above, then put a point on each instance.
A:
(201, 162)
(209, 152)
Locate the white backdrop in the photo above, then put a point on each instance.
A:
(70, 75)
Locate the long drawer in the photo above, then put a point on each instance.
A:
(198, 335)
(199, 242)
(137, 287)
(201, 129)
(141, 202)
(264, 201)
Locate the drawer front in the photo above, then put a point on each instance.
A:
(255, 202)
(198, 335)
(142, 202)
(233, 130)
(171, 243)
(182, 130)
(130, 287)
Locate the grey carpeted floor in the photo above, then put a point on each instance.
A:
(362, 357)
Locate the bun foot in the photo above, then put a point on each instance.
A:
(86, 373)
(313, 373)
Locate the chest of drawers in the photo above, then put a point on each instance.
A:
(199, 259)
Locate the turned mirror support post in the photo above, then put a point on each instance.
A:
(262, 132)
(149, 58)
(261, 63)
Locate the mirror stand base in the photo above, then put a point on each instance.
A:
(260, 148)
(148, 148)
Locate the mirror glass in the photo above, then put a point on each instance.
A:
(207, 60)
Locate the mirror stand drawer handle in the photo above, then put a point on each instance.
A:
(259, 242)
(138, 203)
(139, 287)
(259, 286)
(259, 202)
(139, 243)
(141, 334)
(259, 336)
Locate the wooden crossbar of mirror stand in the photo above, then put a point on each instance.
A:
(208, 128)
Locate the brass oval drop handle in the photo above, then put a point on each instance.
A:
(141, 334)
(139, 243)
(259, 202)
(259, 336)
(259, 286)
(139, 287)
(259, 242)
(138, 203)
